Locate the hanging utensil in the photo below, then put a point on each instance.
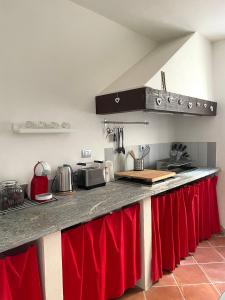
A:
(122, 135)
(109, 131)
(145, 152)
(132, 154)
(118, 141)
(114, 135)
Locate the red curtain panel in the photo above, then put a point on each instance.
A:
(94, 260)
(156, 265)
(166, 231)
(201, 210)
(169, 232)
(180, 225)
(207, 231)
(19, 276)
(72, 261)
(132, 237)
(115, 271)
(214, 212)
(101, 259)
(191, 196)
(180, 219)
(123, 264)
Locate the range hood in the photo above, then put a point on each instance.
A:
(139, 87)
(148, 99)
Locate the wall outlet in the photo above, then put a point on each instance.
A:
(86, 153)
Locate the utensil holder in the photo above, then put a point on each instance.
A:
(138, 164)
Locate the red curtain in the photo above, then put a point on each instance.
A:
(191, 196)
(214, 212)
(180, 219)
(156, 242)
(123, 266)
(166, 231)
(101, 259)
(180, 225)
(19, 276)
(72, 260)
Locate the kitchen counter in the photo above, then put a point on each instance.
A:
(23, 226)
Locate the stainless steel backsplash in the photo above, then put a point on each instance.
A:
(203, 154)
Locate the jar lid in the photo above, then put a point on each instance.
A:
(8, 183)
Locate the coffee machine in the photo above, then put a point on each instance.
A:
(39, 183)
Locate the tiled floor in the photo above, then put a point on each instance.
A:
(199, 276)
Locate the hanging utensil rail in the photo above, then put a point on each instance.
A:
(125, 122)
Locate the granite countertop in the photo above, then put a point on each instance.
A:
(26, 225)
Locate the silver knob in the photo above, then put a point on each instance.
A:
(117, 100)
(211, 108)
(190, 104)
(158, 101)
(198, 104)
(205, 105)
(180, 101)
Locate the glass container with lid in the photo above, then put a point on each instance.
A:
(11, 194)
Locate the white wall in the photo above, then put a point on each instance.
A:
(204, 71)
(55, 56)
(217, 130)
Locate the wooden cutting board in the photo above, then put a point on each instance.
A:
(146, 175)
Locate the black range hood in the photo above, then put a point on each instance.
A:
(148, 99)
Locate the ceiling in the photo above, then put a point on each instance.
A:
(164, 19)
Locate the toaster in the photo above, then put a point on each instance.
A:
(90, 177)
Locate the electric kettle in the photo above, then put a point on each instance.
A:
(64, 178)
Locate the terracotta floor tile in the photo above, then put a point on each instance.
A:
(221, 250)
(217, 240)
(215, 271)
(188, 261)
(207, 255)
(167, 279)
(200, 292)
(220, 287)
(189, 274)
(164, 293)
(204, 244)
(133, 294)
(219, 234)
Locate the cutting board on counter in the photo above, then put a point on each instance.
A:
(146, 175)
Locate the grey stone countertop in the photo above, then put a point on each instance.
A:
(26, 225)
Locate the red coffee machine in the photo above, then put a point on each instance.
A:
(39, 182)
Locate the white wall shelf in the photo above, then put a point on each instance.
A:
(22, 130)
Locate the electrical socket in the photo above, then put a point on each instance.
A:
(86, 153)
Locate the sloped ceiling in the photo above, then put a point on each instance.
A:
(164, 19)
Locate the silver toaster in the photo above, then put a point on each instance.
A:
(90, 177)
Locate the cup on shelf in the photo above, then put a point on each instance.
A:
(65, 125)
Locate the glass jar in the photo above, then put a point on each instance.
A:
(11, 194)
